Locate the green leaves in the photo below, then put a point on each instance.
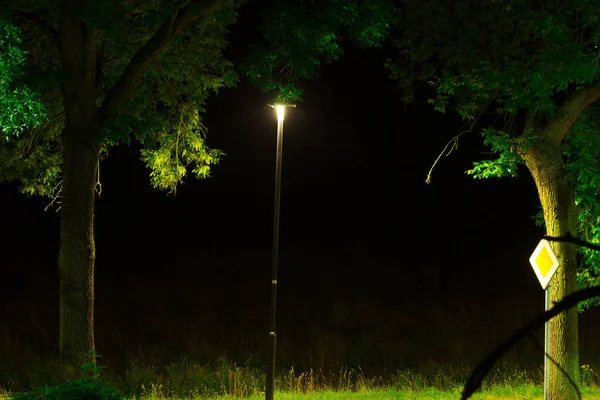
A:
(508, 160)
(582, 157)
(301, 38)
(171, 153)
(20, 107)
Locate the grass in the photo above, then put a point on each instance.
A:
(224, 379)
(502, 392)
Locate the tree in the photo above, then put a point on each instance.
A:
(529, 67)
(89, 75)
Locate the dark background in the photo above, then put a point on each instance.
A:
(367, 247)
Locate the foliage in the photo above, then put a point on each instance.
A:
(84, 388)
(508, 160)
(582, 153)
(31, 151)
(299, 38)
(89, 387)
(169, 153)
(517, 60)
(162, 113)
(20, 106)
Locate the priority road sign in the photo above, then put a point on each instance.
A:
(544, 262)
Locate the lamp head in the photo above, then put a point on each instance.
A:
(280, 109)
(280, 112)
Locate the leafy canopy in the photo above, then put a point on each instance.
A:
(299, 38)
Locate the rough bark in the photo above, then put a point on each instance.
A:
(80, 155)
(544, 160)
(77, 248)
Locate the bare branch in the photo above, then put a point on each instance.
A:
(187, 13)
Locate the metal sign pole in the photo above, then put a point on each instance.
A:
(546, 341)
(544, 263)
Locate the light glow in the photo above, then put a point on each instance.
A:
(280, 112)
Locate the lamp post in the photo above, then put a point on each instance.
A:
(280, 109)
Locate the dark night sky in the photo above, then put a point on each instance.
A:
(353, 189)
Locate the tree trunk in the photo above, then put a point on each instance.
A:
(78, 49)
(77, 249)
(544, 160)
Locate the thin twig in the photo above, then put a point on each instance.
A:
(454, 143)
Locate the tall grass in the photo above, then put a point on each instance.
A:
(189, 379)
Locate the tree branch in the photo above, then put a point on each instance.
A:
(557, 127)
(570, 239)
(485, 366)
(132, 74)
(569, 301)
(40, 23)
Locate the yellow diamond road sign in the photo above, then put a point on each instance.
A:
(544, 262)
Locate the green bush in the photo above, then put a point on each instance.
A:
(78, 389)
(90, 387)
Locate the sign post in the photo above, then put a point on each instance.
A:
(544, 263)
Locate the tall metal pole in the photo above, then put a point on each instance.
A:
(272, 335)
(546, 341)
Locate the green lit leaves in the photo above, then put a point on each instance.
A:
(582, 157)
(20, 107)
(508, 160)
(171, 153)
(34, 161)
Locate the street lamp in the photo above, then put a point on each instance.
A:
(280, 109)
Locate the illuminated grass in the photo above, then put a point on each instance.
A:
(226, 380)
(525, 392)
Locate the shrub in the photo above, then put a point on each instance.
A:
(78, 389)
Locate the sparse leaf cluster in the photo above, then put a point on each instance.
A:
(171, 153)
